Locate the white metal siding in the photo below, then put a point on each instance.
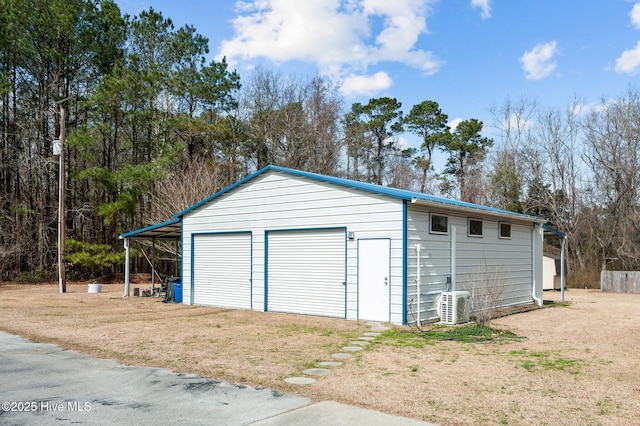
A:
(306, 272)
(222, 270)
(507, 261)
(275, 201)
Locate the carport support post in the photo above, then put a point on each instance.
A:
(153, 265)
(127, 259)
(178, 274)
(562, 271)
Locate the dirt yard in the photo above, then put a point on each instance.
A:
(574, 365)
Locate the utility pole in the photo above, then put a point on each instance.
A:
(61, 222)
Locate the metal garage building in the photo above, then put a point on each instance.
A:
(290, 241)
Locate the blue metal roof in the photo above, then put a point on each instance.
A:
(170, 229)
(368, 187)
(554, 231)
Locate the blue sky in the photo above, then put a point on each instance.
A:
(467, 55)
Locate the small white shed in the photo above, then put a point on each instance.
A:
(551, 271)
(291, 241)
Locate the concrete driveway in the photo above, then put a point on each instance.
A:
(40, 384)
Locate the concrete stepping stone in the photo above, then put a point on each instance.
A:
(300, 380)
(359, 342)
(330, 363)
(371, 334)
(316, 371)
(341, 356)
(379, 328)
(366, 338)
(352, 348)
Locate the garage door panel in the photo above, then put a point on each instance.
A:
(306, 272)
(222, 270)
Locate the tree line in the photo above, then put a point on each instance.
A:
(152, 127)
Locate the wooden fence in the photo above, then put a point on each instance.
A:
(620, 281)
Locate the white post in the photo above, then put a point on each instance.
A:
(127, 281)
(153, 266)
(453, 257)
(418, 282)
(562, 271)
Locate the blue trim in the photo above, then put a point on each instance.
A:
(266, 258)
(405, 239)
(195, 234)
(192, 264)
(181, 257)
(266, 271)
(554, 231)
(346, 258)
(251, 270)
(222, 232)
(325, 228)
(358, 280)
(376, 189)
(150, 228)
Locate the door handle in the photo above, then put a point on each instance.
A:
(386, 281)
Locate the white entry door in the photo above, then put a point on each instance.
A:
(373, 279)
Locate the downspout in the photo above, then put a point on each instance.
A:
(537, 262)
(418, 283)
(127, 260)
(453, 258)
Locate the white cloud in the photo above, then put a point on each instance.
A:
(485, 7)
(365, 84)
(342, 37)
(629, 61)
(517, 122)
(401, 142)
(539, 62)
(635, 15)
(453, 124)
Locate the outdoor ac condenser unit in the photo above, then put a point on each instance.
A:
(455, 307)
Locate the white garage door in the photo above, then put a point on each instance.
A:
(222, 270)
(306, 272)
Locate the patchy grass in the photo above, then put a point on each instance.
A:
(576, 362)
(556, 303)
(473, 333)
(533, 361)
(402, 338)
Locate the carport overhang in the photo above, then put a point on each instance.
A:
(169, 230)
(552, 232)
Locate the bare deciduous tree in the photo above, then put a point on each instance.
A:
(486, 286)
(613, 154)
(183, 188)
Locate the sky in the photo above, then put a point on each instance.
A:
(468, 55)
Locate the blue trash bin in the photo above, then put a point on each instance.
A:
(177, 291)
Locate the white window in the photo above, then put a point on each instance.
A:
(474, 228)
(439, 224)
(504, 229)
